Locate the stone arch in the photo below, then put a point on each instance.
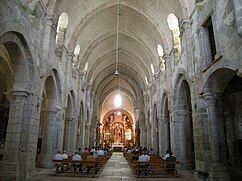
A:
(182, 125)
(165, 130)
(118, 118)
(17, 95)
(50, 138)
(222, 94)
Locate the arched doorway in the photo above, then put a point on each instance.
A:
(182, 126)
(117, 128)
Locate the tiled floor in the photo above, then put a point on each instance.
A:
(116, 169)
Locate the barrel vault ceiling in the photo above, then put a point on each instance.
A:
(142, 26)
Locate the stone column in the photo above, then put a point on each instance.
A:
(155, 131)
(82, 135)
(10, 166)
(218, 170)
(92, 136)
(238, 15)
(149, 132)
(164, 134)
(87, 135)
(136, 122)
(175, 139)
(46, 44)
(187, 44)
(60, 41)
(68, 136)
(144, 136)
(69, 67)
(51, 136)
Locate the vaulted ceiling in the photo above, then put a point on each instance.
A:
(142, 26)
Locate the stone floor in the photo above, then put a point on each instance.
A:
(116, 169)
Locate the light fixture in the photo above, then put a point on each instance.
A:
(116, 57)
(117, 99)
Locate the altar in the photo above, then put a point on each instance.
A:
(117, 148)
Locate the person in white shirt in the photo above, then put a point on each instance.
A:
(95, 155)
(58, 156)
(143, 158)
(59, 165)
(167, 155)
(77, 157)
(100, 152)
(64, 155)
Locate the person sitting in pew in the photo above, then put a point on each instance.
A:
(90, 165)
(143, 158)
(135, 157)
(59, 165)
(171, 167)
(77, 157)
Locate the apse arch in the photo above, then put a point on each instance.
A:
(118, 127)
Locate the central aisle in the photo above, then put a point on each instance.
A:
(117, 167)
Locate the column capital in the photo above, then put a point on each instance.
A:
(185, 23)
(50, 20)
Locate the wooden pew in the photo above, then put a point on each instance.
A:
(156, 166)
(85, 163)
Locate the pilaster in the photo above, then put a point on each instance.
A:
(218, 170)
(10, 166)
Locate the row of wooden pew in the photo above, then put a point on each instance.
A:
(67, 165)
(156, 166)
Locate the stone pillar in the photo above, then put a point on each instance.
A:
(87, 135)
(187, 44)
(218, 170)
(92, 136)
(10, 166)
(164, 134)
(238, 15)
(155, 131)
(51, 138)
(143, 136)
(46, 44)
(69, 67)
(136, 121)
(149, 140)
(60, 41)
(68, 136)
(82, 135)
(201, 139)
(175, 139)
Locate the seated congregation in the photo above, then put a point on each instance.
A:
(90, 160)
(145, 161)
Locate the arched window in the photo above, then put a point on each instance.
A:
(161, 53)
(61, 29)
(146, 80)
(76, 56)
(160, 50)
(174, 27)
(86, 67)
(152, 69)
